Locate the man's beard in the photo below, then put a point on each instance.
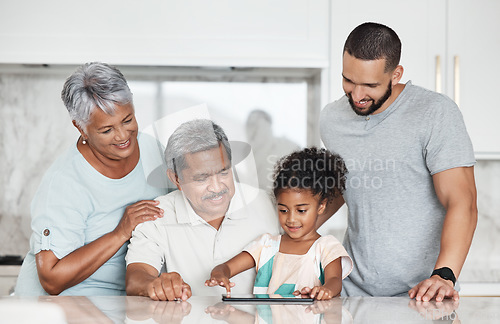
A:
(375, 106)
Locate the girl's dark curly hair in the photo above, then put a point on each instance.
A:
(315, 169)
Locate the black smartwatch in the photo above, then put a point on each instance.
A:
(445, 273)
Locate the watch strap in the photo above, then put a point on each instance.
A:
(445, 273)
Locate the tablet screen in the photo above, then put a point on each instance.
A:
(267, 299)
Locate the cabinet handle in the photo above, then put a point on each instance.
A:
(456, 80)
(439, 85)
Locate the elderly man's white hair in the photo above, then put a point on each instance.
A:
(191, 137)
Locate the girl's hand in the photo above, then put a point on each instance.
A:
(219, 279)
(220, 311)
(304, 292)
(317, 292)
(321, 293)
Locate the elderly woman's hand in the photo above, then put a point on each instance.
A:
(142, 211)
(57, 274)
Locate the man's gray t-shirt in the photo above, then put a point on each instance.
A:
(395, 218)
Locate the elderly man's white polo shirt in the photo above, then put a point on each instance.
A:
(183, 242)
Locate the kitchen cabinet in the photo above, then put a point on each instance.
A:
(473, 67)
(261, 33)
(448, 45)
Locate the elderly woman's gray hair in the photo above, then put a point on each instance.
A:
(94, 85)
(191, 137)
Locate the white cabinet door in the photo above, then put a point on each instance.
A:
(474, 38)
(277, 33)
(431, 29)
(419, 24)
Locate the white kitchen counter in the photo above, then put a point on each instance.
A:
(63, 309)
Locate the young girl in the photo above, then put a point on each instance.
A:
(299, 262)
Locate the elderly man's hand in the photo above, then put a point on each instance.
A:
(169, 286)
(434, 287)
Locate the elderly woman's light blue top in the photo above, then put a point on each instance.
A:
(75, 205)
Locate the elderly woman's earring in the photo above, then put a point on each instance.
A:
(84, 142)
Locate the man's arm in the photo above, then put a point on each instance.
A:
(144, 259)
(143, 280)
(331, 208)
(456, 190)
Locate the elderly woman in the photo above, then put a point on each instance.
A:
(93, 196)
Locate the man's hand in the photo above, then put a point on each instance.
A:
(434, 310)
(143, 309)
(434, 287)
(169, 286)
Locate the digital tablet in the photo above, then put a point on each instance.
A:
(267, 299)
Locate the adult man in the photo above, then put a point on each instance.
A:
(410, 191)
(206, 222)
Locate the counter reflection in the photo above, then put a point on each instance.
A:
(210, 309)
(142, 310)
(336, 310)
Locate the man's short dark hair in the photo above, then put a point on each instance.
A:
(373, 41)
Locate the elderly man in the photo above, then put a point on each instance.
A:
(206, 222)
